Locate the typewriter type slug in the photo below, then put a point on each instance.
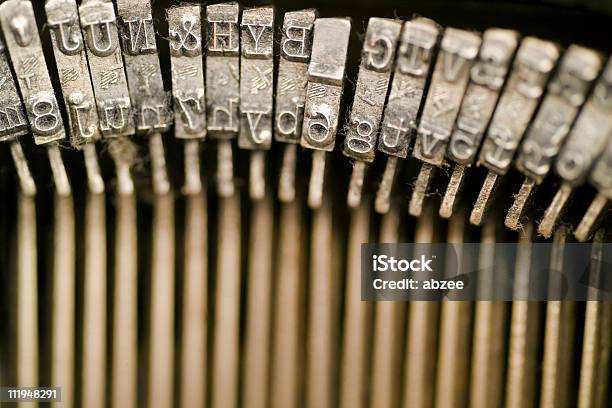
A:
(305, 204)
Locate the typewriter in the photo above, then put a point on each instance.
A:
(192, 195)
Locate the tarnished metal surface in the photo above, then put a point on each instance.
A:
(127, 282)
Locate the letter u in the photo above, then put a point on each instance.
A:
(99, 39)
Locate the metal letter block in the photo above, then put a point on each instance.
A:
(99, 25)
(325, 83)
(222, 70)
(150, 102)
(187, 65)
(256, 78)
(23, 43)
(377, 60)
(13, 120)
(590, 134)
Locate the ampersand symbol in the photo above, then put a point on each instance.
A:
(186, 39)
